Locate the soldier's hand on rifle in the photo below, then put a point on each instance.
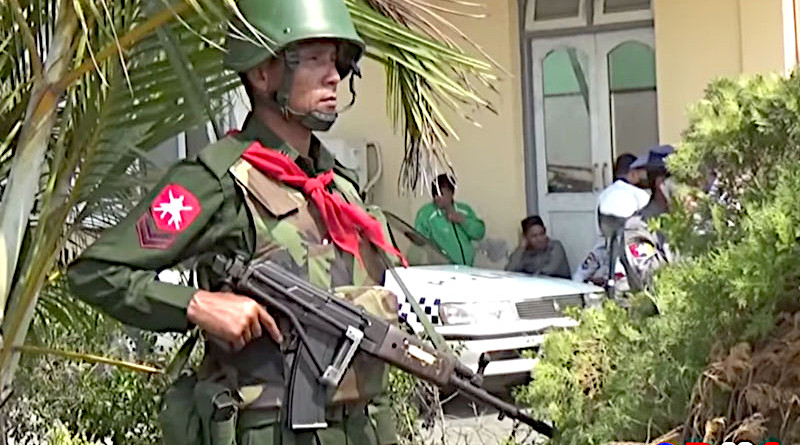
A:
(231, 318)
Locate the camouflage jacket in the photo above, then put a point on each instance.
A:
(202, 208)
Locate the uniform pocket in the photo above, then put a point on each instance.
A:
(180, 422)
(218, 411)
(259, 427)
(365, 378)
(360, 430)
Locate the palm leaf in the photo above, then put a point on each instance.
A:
(107, 120)
(425, 69)
(114, 86)
(57, 305)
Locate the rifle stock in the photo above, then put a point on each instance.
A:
(311, 309)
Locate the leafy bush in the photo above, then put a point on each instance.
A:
(624, 377)
(403, 387)
(61, 435)
(93, 402)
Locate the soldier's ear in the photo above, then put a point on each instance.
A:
(263, 79)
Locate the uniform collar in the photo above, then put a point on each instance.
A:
(319, 159)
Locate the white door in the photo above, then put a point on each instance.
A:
(594, 98)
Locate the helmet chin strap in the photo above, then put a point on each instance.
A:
(313, 120)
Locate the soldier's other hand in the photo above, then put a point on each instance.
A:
(231, 318)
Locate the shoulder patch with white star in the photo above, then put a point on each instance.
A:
(172, 211)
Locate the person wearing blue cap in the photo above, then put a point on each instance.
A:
(657, 180)
(654, 157)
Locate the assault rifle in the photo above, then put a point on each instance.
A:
(332, 330)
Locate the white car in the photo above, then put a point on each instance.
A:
(497, 314)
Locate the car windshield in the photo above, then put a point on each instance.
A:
(418, 249)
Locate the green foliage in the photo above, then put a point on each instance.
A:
(402, 387)
(89, 402)
(622, 376)
(741, 134)
(61, 435)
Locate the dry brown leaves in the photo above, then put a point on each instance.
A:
(752, 393)
(673, 436)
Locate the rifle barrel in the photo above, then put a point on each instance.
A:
(482, 396)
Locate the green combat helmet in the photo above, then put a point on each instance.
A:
(283, 24)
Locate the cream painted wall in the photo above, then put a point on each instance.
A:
(762, 35)
(489, 161)
(698, 41)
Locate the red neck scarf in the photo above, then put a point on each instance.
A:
(346, 223)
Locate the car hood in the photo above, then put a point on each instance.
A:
(452, 283)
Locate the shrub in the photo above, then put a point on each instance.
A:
(92, 402)
(624, 377)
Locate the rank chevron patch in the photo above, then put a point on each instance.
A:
(150, 237)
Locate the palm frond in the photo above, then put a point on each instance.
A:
(57, 305)
(109, 115)
(412, 38)
(426, 70)
(114, 85)
(153, 104)
(91, 358)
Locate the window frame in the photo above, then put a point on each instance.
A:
(579, 21)
(602, 18)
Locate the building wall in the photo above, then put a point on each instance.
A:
(698, 41)
(489, 160)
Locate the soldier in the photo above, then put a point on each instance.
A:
(271, 192)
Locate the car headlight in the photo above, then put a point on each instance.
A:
(471, 313)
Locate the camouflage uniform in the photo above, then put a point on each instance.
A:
(233, 209)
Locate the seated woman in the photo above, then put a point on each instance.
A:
(538, 254)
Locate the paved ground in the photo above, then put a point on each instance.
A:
(468, 424)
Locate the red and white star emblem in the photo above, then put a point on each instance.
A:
(174, 209)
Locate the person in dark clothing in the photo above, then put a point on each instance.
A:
(538, 254)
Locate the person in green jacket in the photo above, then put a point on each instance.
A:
(270, 192)
(452, 225)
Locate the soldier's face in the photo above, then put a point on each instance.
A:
(315, 79)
